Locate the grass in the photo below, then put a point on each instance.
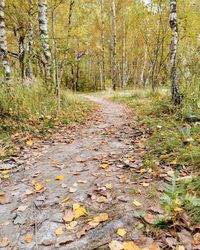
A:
(174, 139)
(168, 124)
(32, 112)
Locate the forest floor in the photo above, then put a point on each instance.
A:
(86, 191)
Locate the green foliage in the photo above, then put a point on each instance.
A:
(185, 195)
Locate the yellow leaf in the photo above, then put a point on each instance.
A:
(28, 238)
(130, 158)
(48, 180)
(171, 172)
(39, 188)
(143, 170)
(154, 246)
(76, 206)
(104, 165)
(121, 232)
(71, 226)
(4, 172)
(59, 177)
(109, 186)
(130, 246)
(65, 200)
(174, 162)
(116, 245)
(29, 143)
(6, 176)
(178, 209)
(137, 203)
(80, 212)
(59, 231)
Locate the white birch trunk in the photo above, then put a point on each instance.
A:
(44, 37)
(103, 46)
(3, 43)
(114, 81)
(175, 92)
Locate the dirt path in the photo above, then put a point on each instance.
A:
(107, 188)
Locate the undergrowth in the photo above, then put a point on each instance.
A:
(32, 111)
(174, 141)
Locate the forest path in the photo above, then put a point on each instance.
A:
(97, 170)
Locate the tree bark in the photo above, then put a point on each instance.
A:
(44, 38)
(175, 92)
(124, 82)
(3, 43)
(55, 57)
(114, 80)
(103, 46)
(71, 4)
(29, 70)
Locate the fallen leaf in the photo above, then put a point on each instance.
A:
(76, 206)
(69, 216)
(109, 186)
(98, 219)
(59, 177)
(72, 190)
(180, 248)
(59, 231)
(145, 184)
(154, 246)
(71, 226)
(143, 170)
(48, 180)
(4, 198)
(79, 212)
(28, 238)
(116, 245)
(22, 208)
(82, 181)
(130, 246)
(29, 143)
(65, 200)
(4, 242)
(29, 191)
(150, 218)
(137, 203)
(121, 232)
(102, 199)
(104, 165)
(39, 188)
(170, 172)
(63, 185)
(103, 217)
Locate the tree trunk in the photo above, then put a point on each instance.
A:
(114, 81)
(29, 70)
(103, 46)
(55, 57)
(175, 92)
(71, 4)
(3, 43)
(44, 38)
(123, 52)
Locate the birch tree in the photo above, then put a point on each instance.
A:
(114, 80)
(3, 43)
(44, 38)
(103, 45)
(175, 92)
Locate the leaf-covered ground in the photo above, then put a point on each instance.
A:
(88, 190)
